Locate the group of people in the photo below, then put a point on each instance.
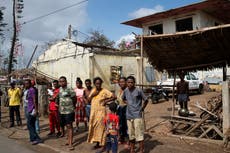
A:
(109, 118)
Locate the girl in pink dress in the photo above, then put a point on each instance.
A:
(80, 105)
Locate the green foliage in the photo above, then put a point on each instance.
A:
(98, 38)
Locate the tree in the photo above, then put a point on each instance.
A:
(17, 10)
(6, 62)
(2, 25)
(98, 38)
(122, 45)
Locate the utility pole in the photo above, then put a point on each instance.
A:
(32, 57)
(69, 32)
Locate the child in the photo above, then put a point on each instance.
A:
(53, 109)
(112, 128)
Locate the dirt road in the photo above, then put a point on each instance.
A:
(157, 125)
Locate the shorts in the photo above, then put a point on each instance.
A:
(67, 119)
(136, 129)
(182, 97)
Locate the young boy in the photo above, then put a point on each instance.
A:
(112, 128)
(133, 97)
(53, 109)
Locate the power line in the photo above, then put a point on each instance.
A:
(51, 13)
(54, 12)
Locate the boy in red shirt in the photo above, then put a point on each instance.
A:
(112, 128)
(53, 109)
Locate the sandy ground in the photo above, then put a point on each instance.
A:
(157, 129)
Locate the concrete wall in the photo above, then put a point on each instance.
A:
(64, 59)
(130, 66)
(200, 20)
(208, 21)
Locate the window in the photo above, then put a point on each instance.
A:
(149, 73)
(116, 73)
(188, 77)
(184, 25)
(156, 29)
(193, 77)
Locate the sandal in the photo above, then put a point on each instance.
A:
(71, 148)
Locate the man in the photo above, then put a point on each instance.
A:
(183, 92)
(87, 92)
(14, 94)
(36, 100)
(133, 97)
(66, 100)
(32, 110)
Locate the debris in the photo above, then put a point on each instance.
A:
(209, 125)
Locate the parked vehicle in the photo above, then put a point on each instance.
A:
(158, 93)
(195, 84)
(213, 80)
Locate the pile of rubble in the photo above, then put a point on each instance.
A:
(209, 125)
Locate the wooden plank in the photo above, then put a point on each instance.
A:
(218, 131)
(186, 118)
(190, 130)
(182, 122)
(212, 127)
(206, 132)
(202, 120)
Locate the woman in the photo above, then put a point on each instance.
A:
(80, 105)
(98, 97)
(122, 110)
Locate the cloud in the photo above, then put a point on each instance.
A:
(127, 38)
(146, 11)
(47, 29)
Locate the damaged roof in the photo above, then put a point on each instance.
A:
(207, 48)
(219, 9)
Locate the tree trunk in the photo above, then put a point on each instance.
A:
(14, 38)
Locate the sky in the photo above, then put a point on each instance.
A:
(103, 15)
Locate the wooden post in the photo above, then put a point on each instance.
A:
(142, 63)
(91, 66)
(43, 100)
(226, 100)
(173, 96)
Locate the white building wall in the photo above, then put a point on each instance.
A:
(200, 20)
(64, 59)
(208, 21)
